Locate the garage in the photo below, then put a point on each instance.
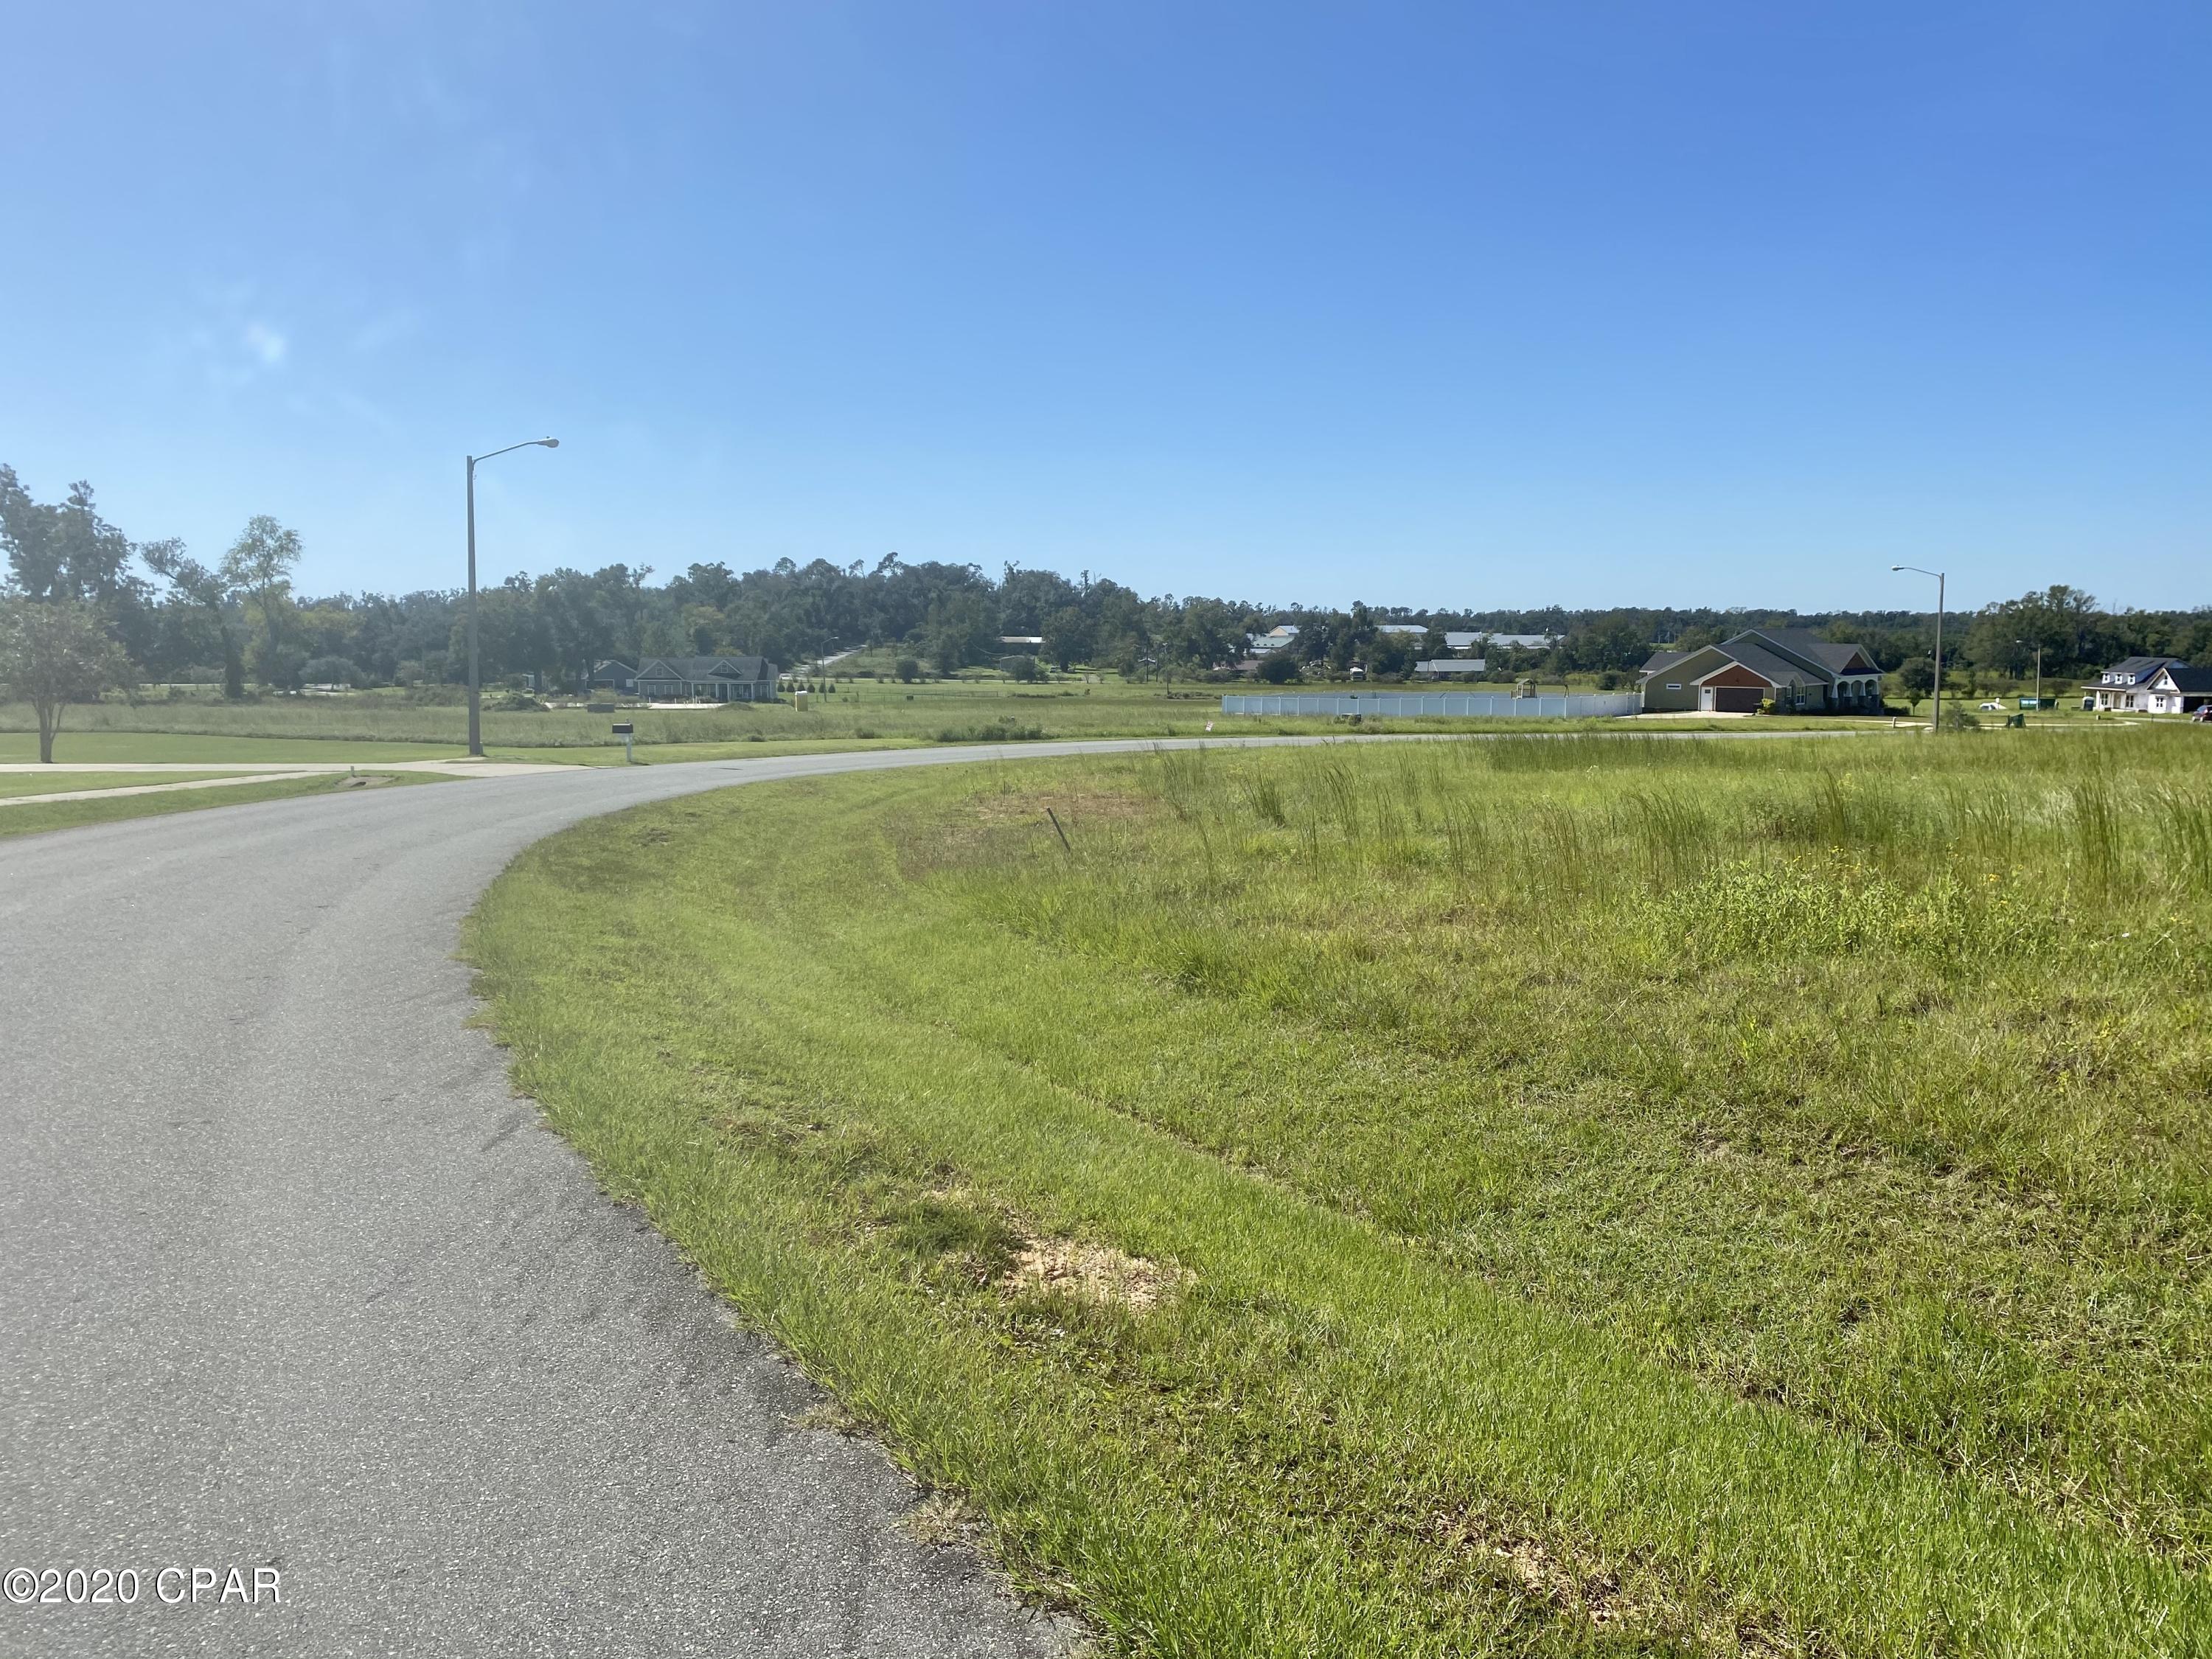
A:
(1733, 688)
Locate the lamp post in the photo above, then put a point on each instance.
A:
(2039, 674)
(1935, 722)
(476, 687)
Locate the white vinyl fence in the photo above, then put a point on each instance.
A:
(1400, 704)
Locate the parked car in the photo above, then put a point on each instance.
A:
(2203, 715)
(1993, 709)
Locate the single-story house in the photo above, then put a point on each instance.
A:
(1459, 641)
(708, 679)
(1274, 640)
(1790, 667)
(2151, 685)
(614, 674)
(1440, 668)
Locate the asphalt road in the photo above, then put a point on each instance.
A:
(292, 1282)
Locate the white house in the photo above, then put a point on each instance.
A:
(2178, 689)
(2150, 685)
(1461, 639)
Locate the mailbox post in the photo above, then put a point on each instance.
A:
(627, 734)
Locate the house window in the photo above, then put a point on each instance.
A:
(1674, 685)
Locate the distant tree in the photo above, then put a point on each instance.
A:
(960, 630)
(908, 669)
(1915, 675)
(260, 566)
(332, 671)
(1278, 668)
(1021, 667)
(1068, 638)
(54, 653)
(66, 551)
(194, 584)
(1391, 654)
(2064, 621)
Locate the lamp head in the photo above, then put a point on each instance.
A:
(550, 443)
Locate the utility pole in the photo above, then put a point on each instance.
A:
(1935, 723)
(476, 687)
(2039, 674)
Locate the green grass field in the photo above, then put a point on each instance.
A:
(1503, 1197)
(368, 727)
(36, 818)
(15, 784)
(80, 746)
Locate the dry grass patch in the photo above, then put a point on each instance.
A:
(1092, 1273)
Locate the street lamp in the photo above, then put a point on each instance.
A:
(1935, 724)
(475, 689)
(2039, 673)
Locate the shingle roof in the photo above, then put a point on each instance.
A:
(2188, 677)
(1804, 643)
(709, 668)
(1660, 661)
(1777, 671)
(2141, 667)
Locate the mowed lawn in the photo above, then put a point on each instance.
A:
(387, 725)
(1503, 1197)
(86, 745)
(28, 817)
(14, 785)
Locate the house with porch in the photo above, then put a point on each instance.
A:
(707, 679)
(1792, 668)
(2150, 685)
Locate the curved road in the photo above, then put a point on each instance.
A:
(294, 1282)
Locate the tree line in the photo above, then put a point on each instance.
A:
(150, 612)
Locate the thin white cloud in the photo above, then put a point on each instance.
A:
(264, 343)
(386, 329)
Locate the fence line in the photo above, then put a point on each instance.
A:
(1401, 704)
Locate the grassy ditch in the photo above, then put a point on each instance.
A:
(1502, 1197)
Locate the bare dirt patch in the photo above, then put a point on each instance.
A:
(1094, 1273)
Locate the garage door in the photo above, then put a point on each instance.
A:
(1738, 699)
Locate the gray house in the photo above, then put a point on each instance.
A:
(1790, 667)
(707, 679)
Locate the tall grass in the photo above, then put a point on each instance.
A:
(1753, 1197)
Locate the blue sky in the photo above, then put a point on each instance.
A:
(1465, 305)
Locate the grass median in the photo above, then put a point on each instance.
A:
(36, 818)
(1502, 1197)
